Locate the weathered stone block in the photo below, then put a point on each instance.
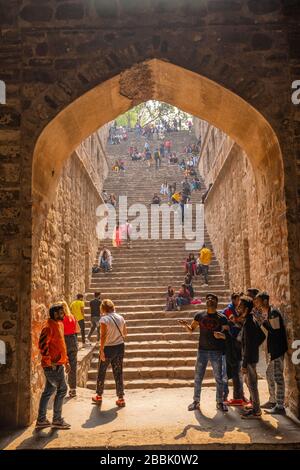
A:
(36, 13)
(261, 42)
(259, 7)
(69, 11)
(9, 118)
(221, 6)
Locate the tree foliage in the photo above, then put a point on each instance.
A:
(151, 112)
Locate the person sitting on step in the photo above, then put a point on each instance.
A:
(188, 281)
(116, 166)
(171, 299)
(183, 297)
(164, 189)
(156, 199)
(105, 260)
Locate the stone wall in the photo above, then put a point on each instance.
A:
(69, 243)
(250, 254)
(65, 253)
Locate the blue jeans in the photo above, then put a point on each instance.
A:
(55, 382)
(225, 378)
(182, 301)
(204, 272)
(104, 265)
(215, 358)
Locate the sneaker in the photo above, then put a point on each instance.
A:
(42, 424)
(268, 405)
(222, 407)
(120, 402)
(277, 410)
(97, 399)
(61, 424)
(248, 406)
(234, 402)
(250, 414)
(72, 393)
(194, 406)
(246, 401)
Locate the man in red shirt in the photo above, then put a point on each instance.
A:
(54, 362)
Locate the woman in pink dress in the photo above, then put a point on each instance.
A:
(117, 236)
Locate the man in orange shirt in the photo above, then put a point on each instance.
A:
(54, 360)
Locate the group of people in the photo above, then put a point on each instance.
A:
(109, 198)
(193, 267)
(119, 166)
(178, 197)
(58, 345)
(149, 156)
(162, 127)
(117, 134)
(231, 340)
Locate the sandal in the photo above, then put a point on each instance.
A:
(120, 402)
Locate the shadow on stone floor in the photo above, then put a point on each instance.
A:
(100, 418)
(223, 423)
(39, 439)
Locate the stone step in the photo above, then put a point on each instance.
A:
(154, 294)
(158, 310)
(186, 312)
(145, 284)
(149, 329)
(149, 272)
(152, 383)
(158, 353)
(152, 362)
(144, 373)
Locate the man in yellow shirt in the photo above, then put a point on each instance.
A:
(205, 256)
(176, 197)
(77, 309)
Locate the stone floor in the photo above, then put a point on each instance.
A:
(158, 419)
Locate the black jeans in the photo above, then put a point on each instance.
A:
(237, 382)
(95, 324)
(82, 330)
(114, 355)
(72, 349)
(252, 383)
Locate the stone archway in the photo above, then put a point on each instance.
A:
(193, 93)
(161, 81)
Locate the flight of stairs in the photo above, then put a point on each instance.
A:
(158, 351)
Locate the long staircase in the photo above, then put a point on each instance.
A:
(159, 352)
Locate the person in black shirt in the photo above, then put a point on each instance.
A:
(95, 315)
(252, 338)
(211, 347)
(277, 346)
